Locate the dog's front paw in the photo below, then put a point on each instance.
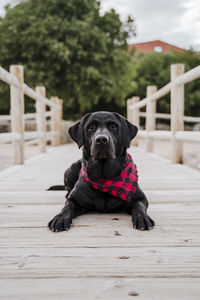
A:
(60, 222)
(142, 221)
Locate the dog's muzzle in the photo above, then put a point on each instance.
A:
(102, 147)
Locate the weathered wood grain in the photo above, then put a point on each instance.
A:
(90, 261)
(101, 288)
(155, 262)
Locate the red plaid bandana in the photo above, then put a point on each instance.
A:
(123, 187)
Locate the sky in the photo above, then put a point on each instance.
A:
(173, 21)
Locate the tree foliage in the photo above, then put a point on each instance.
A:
(73, 49)
(154, 69)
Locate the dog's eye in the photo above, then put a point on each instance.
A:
(91, 127)
(113, 126)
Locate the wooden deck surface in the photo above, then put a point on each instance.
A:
(90, 261)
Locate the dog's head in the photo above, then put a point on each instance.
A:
(103, 134)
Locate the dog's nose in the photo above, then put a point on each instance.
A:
(102, 139)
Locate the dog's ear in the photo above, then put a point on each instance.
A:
(76, 131)
(129, 130)
(132, 131)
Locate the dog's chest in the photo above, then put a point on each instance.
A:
(91, 199)
(106, 203)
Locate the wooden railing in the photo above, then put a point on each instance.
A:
(177, 135)
(18, 136)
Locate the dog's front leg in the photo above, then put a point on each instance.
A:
(140, 218)
(63, 220)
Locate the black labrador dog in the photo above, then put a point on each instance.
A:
(105, 179)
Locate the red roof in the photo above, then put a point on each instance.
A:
(154, 46)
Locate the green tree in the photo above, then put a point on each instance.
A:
(71, 48)
(154, 69)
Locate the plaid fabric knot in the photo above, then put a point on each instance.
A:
(123, 187)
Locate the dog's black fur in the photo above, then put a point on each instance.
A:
(105, 137)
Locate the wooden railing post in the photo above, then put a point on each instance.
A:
(134, 117)
(17, 113)
(177, 113)
(55, 121)
(58, 137)
(128, 110)
(41, 118)
(60, 120)
(150, 117)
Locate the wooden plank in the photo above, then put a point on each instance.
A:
(89, 235)
(33, 198)
(101, 288)
(39, 220)
(83, 229)
(179, 208)
(169, 262)
(57, 197)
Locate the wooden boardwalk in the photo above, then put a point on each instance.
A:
(91, 261)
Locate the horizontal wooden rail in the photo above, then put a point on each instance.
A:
(157, 115)
(188, 136)
(32, 139)
(35, 96)
(26, 116)
(191, 119)
(168, 117)
(12, 80)
(30, 135)
(165, 135)
(9, 137)
(30, 116)
(161, 135)
(9, 78)
(160, 93)
(188, 76)
(5, 117)
(48, 114)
